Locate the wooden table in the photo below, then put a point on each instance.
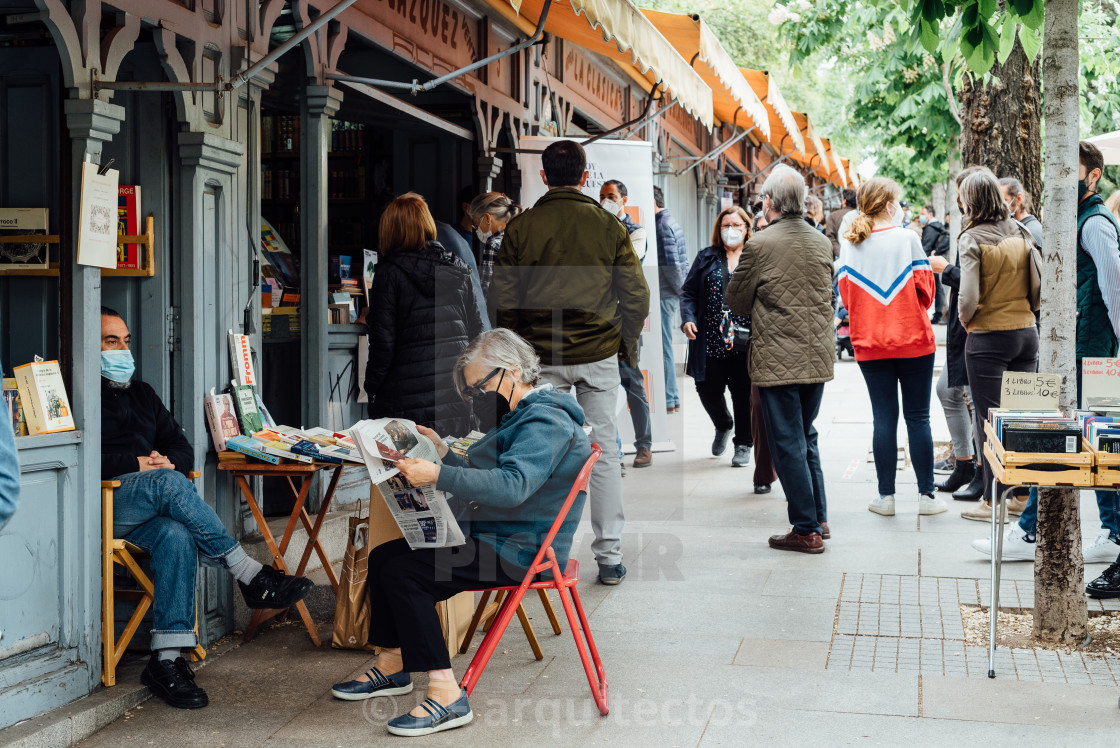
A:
(242, 471)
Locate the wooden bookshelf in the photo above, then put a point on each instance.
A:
(145, 240)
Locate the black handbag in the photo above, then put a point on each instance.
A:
(735, 336)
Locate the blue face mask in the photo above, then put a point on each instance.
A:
(117, 366)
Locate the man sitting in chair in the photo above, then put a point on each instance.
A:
(158, 509)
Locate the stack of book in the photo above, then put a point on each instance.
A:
(1101, 428)
(1036, 431)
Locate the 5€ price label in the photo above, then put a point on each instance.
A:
(1028, 391)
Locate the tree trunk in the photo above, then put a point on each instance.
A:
(1060, 611)
(951, 196)
(937, 200)
(1001, 121)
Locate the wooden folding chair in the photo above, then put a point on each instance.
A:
(565, 583)
(116, 551)
(487, 611)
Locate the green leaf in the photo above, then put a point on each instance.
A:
(988, 8)
(1034, 18)
(1006, 38)
(1022, 7)
(931, 40)
(952, 42)
(1031, 40)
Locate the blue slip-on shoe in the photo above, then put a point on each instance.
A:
(437, 719)
(612, 574)
(377, 685)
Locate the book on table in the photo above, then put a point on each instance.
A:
(43, 395)
(221, 419)
(245, 397)
(253, 448)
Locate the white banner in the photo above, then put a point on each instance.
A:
(629, 162)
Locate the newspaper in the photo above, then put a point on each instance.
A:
(422, 513)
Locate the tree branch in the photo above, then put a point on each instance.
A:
(954, 109)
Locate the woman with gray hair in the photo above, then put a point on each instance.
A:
(510, 486)
(490, 212)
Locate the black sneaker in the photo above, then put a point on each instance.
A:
(274, 590)
(166, 679)
(612, 575)
(742, 456)
(719, 444)
(961, 476)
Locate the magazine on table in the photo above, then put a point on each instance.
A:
(422, 513)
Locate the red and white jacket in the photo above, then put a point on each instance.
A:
(887, 286)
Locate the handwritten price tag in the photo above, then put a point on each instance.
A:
(1026, 391)
(1100, 377)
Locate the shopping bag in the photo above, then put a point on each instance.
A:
(351, 611)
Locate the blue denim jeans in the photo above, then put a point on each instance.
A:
(670, 313)
(160, 511)
(634, 385)
(914, 377)
(1108, 503)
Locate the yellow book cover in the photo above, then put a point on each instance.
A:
(43, 394)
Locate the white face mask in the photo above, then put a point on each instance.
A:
(612, 207)
(897, 215)
(483, 236)
(731, 237)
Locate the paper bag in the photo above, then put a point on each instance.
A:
(351, 611)
(454, 614)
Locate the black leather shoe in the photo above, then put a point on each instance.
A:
(719, 444)
(1107, 584)
(762, 488)
(167, 680)
(274, 590)
(961, 476)
(974, 491)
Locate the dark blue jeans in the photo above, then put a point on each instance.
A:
(914, 376)
(160, 511)
(634, 385)
(1108, 503)
(788, 412)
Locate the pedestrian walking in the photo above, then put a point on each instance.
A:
(935, 241)
(784, 282)
(567, 279)
(714, 366)
(999, 293)
(887, 287)
(672, 266)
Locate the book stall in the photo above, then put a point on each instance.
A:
(1031, 443)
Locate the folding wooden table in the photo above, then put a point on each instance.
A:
(242, 471)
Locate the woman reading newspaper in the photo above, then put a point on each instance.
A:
(511, 485)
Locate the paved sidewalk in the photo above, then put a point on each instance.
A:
(714, 639)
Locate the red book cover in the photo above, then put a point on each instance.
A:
(128, 224)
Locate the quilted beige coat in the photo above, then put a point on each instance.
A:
(784, 281)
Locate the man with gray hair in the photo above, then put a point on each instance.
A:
(784, 281)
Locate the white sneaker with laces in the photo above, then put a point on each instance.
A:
(930, 504)
(883, 505)
(1015, 545)
(1102, 550)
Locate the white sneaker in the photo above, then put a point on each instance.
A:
(883, 505)
(1102, 550)
(930, 504)
(1015, 546)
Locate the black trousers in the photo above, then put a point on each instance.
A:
(405, 585)
(987, 355)
(789, 412)
(939, 299)
(722, 374)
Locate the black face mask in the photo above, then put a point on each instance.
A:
(1082, 190)
(490, 408)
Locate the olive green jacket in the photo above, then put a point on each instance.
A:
(784, 281)
(567, 279)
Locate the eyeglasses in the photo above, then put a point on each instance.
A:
(476, 390)
(733, 225)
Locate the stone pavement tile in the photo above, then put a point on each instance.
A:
(155, 723)
(1016, 702)
(782, 653)
(804, 583)
(779, 726)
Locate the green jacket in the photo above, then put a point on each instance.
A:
(567, 279)
(1095, 338)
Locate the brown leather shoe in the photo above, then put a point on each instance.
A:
(825, 534)
(644, 458)
(791, 541)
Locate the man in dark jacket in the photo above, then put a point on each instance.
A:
(157, 508)
(672, 266)
(935, 241)
(832, 225)
(784, 281)
(453, 241)
(567, 280)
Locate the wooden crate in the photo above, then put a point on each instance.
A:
(1017, 468)
(1108, 466)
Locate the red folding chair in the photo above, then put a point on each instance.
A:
(562, 582)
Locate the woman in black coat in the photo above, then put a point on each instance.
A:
(422, 315)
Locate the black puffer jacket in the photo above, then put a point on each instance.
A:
(422, 315)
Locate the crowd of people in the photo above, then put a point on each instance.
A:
(530, 337)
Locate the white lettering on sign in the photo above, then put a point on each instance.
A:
(1028, 391)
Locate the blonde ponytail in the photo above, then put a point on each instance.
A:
(873, 198)
(860, 228)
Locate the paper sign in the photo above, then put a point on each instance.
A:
(97, 221)
(1100, 377)
(241, 359)
(1028, 391)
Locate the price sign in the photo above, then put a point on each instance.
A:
(1100, 378)
(1027, 391)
